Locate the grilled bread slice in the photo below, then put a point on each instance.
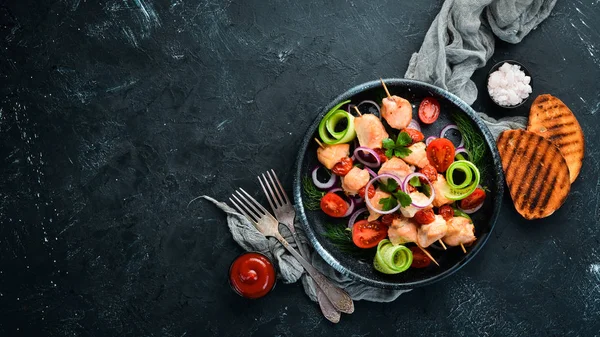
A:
(550, 118)
(536, 173)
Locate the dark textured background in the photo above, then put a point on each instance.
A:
(115, 114)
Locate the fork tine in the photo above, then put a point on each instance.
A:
(241, 210)
(269, 195)
(256, 204)
(287, 200)
(247, 205)
(280, 200)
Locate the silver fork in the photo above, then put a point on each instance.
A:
(269, 226)
(285, 214)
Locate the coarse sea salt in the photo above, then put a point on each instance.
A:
(509, 86)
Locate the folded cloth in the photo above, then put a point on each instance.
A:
(460, 40)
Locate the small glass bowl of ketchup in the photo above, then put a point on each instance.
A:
(252, 275)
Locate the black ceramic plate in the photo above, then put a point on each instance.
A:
(451, 260)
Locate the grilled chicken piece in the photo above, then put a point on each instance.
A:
(418, 156)
(397, 111)
(432, 232)
(441, 187)
(397, 167)
(402, 231)
(355, 180)
(370, 131)
(332, 154)
(460, 230)
(418, 198)
(379, 194)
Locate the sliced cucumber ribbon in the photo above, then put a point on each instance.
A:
(391, 259)
(464, 189)
(329, 122)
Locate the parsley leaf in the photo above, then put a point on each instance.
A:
(388, 203)
(415, 181)
(388, 143)
(403, 139)
(427, 190)
(390, 187)
(397, 148)
(403, 198)
(402, 152)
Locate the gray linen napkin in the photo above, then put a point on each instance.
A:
(460, 40)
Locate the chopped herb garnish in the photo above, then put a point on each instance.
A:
(312, 201)
(473, 139)
(415, 181)
(403, 198)
(390, 187)
(341, 237)
(388, 203)
(399, 148)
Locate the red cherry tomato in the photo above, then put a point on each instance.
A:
(382, 157)
(446, 212)
(367, 234)
(387, 219)
(425, 216)
(414, 134)
(429, 110)
(333, 205)
(430, 172)
(361, 192)
(420, 260)
(440, 153)
(343, 166)
(475, 199)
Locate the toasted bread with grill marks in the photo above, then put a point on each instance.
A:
(550, 118)
(536, 173)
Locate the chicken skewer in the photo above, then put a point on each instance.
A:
(396, 110)
(320, 144)
(357, 111)
(404, 230)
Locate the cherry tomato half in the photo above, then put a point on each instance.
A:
(361, 192)
(382, 157)
(430, 172)
(420, 260)
(446, 212)
(414, 134)
(334, 205)
(387, 219)
(440, 153)
(425, 216)
(367, 234)
(475, 199)
(343, 166)
(429, 110)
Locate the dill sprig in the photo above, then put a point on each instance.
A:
(341, 237)
(312, 201)
(473, 139)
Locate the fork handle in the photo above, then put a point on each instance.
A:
(327, 308)
(338, 297)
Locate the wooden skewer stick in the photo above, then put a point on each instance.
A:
(463, 248)
(357, 111)
(442, 243)
(428, 255)
(320, 144)
(385, 88)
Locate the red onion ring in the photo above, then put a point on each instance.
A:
(429, 140)
(369, 205)
(354, 216)
(474, 209)
(372, 103)
(461, 149)
(452, 127)
(420, 175)
(349, 108)
(323, 186)
(366, 162)
(371, 172)
(414, 125)
(350, 208)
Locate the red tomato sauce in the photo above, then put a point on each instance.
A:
(252, 275)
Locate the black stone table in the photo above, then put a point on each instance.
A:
(114, 114)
